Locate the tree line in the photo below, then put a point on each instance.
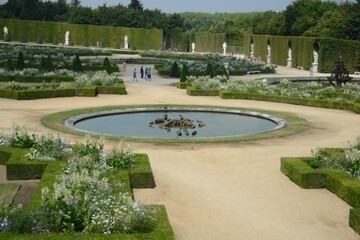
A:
(311, 18)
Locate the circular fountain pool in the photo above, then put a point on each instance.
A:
(176, 122)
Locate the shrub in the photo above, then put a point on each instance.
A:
(225, 72)
(184, 73)
(175, 72)
(121, 157)
(76, 66)
(20, 64)
(20, 138)
(107, 66)
(209, 70)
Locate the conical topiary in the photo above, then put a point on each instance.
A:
(209, 70)
(107, 66)
(20, 64)
(76, 66)
(225, 72)
(184, 73)
(175, 72)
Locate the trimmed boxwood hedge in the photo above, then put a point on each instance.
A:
(54, 93)
(19, 167)
(302, 174)
(183, 85)
(81, 34)
(335, 180)
(199, 92)
(134, 178)
(302, 50)
(35, 79)
(323, 103)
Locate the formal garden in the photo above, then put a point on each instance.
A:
(98, 186)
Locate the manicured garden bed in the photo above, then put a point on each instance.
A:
(338, 181)
(122, 179)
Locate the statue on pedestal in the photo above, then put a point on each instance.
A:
(193, 47)
(224, 47)
(67, 37)
(126, 42)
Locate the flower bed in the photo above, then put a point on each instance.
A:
(84, 85)
(338, 170)
(90, 193)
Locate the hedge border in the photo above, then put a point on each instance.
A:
(355, 107)
(335, 180)
(142, 169)
(35, 79)
(54, 93)
(200, 92)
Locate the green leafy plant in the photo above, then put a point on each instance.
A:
(121, 157)
(20, 64)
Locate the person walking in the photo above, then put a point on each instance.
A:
(124, 66)
(146, 75)
(134, 75)
(149, 73)
(142, 72)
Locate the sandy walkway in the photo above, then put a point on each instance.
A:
(225, 191)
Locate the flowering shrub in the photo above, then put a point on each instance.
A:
(121, 157)
(350, 162)
(208, 83)
(83, 201)
(47, 147)
(100, 78)
(14, 86)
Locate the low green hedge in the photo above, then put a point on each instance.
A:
(344, 186)
(141, 175)
(18, 167)
(199, 92)
(183, 85)
(323, 103)
(35, 79)
(335, 180)
(354, 219)
(301, 173)
(54, 93)
(120, 90)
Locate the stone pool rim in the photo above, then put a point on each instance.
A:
(71, 122)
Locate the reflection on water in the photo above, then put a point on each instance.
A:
(139, 125)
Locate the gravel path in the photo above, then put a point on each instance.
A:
(224, 191)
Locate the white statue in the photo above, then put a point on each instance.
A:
(126, 42)
(316, 57)
(6, 31)
(224, 47)
(67, 37)
(289, 54)
(252, 51)
(268, 51)
(193, 47)
(268, 57)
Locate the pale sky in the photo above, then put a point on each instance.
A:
(211, 6)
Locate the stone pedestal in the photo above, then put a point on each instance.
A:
(289, 63)
(268, 60)
(315, 67)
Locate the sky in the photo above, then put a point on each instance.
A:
(210, 6)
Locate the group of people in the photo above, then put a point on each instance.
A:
(144, 73)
